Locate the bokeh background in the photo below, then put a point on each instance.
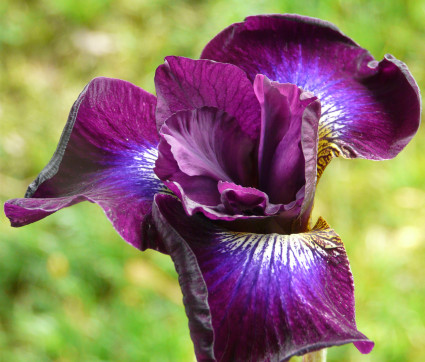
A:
(72, 290)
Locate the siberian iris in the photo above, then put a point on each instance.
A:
(220, 169)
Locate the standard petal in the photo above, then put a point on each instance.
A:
(106, 155)
(369, 109)
(186, 84)
(200, 148)
(254, 297)
(208, 142)
(287, 155)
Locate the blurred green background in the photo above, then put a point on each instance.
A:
(72, 290)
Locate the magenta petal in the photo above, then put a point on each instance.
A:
(254, 297)
(186, 84)
(239, 200)
(288, 141)
(369, 109)
(26, 211)
(198, 149)
(106, 155)
(208, 142)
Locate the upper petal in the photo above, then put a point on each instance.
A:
(209, 142)
(369, 109)
(254, 297)
(200, 151)
(208, 162)
(186, 84)
(106, 155)
(287, 155)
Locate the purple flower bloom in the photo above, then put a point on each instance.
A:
(220, 170)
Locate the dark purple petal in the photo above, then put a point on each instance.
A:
(200, 188)
(369, 109)
(239, 200)
(309, 144)
(186, 84)
(200, 148)
(106, 155)
(208, 142)
(288, 141)
(254, 297)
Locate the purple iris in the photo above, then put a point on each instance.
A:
(220, 170)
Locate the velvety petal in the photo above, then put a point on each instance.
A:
(369, 109)
(309, 144)
(106, 155)
(200, 188)
(200, 148)
(287, 155)
(186, 84)
(239, 200)
(253, 297)
(208, 142)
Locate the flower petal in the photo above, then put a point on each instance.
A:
(288, 141)
(200, 148)
(186, 84)
(208, 142)
(369, 109)
(247, 200)
(253, 297)
(106, 155)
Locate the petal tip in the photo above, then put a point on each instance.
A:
(19, 215)
(364, 347)
(8, 211)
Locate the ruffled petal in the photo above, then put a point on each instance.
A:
(207, 161)
(241, 200)
(106, 155)
(186, 84)
(208, 142)
(287, 155)
(369, 109)
(254, 297)
(202, 149)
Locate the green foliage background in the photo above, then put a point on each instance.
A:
(72, 290)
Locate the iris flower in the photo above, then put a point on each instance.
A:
(220, 170)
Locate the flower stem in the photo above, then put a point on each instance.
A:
(316, 356)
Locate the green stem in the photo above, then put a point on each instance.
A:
(316, 356)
